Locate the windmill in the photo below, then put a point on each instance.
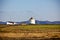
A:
(32, 20)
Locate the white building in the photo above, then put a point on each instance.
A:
(10, 23)
(32, 20)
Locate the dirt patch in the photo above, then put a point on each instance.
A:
(40, 35)
(10, 38)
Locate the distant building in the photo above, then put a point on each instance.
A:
(32, 20)
(10, 23)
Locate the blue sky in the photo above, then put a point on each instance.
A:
(22, 10)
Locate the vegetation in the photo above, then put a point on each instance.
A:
(30, 32)
(30, 28)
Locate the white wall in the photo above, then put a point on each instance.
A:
(32, 21)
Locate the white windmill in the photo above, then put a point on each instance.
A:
(32, 20)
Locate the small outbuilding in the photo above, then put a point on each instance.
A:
(11, 23)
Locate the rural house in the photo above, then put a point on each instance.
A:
(10, 23)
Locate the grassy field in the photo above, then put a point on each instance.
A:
(17, 32)
(19, 28)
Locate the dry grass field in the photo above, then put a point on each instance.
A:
(17, 32)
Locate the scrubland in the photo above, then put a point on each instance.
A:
(42, 31)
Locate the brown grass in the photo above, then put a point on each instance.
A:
(30, 31)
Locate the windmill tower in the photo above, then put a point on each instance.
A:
(32, 20)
